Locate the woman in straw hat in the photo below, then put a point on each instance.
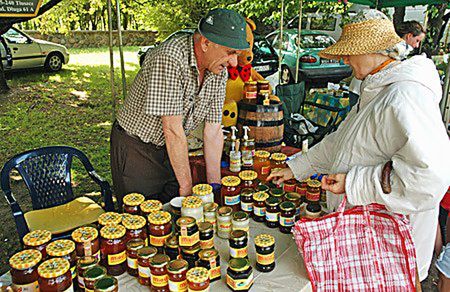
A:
(393, 148)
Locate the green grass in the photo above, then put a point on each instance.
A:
(72, 107)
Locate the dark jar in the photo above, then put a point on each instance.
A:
(24, 270)
(239, 275)
(290, 186)
(265, 252)
(158, 269)
(190, 254)
(206, 235)
(198, 279)
(188, 232)
(84, 264)
(313, 190)
(177, 270)
(238, 244)
(145, 256)
(136, 228)
(55, 275)
(230, 192)
(132, 255)
(160, 228)
(113, 249)
(210, 259)
(87, 242)
(131, 203)
(313, 210)
(91, 275)
(247, 200)
(250, 92)
(248, 179)
(171, 247)
(287, 217)
(106, 284)
(64, 248)
(38, 240)
(297, 200)
(259, 206)
(277, 193)
(272, 212)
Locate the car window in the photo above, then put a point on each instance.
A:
(322, 23)
(14, 37)
(312, 41)
(262, 48)
(294, 23)
(286, 42)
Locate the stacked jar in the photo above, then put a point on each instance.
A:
(113, 249)
(206, 235)
(160, 228)
(250, 92)
(209, 212)
(198, 279)
(313, 210)
(188, 233)
(272, 212)
(297, 200)
(85, 263)
(91, 275)
(290, 185)
(106, 284)
(238, 244)
(204, 192)
(313, 191)
(149, 206)
(240, 221)
(265, 252)
(190, 254)
(259, 206)
(248, 179)
(278, 160)
(38, 240)
(192, 207)
(210, 259)
(145, 256)
(247, 200)
(261, 164)
(87, 242)
(109, 219)
(24, 270)
(171, 247)
(230, 192)
(55, 275)
(224, 221)
(301, 188)
(133, 246)
(158, 269)
(277, 193)
(64, 248)
(136, 228)
(239, 275)
(287, 217)
(131, 203)
(177, 270)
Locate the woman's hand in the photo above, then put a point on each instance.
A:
(334, 183)
(279, 176)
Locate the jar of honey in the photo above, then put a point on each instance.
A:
(158, 269)
(272, 212)
(313, 210)
(210, 259)
(248, 179)
(230, 192)
(190, 254)
(133, 246)
(240, 221)
(64, 248)
(301, 188)
(91, 275)
(209, 212)
(136, 228)
(109, 218)
(188, 232)
(287, 216)
(206, 235)
(238, 244)
(278, 160)
(277, 193)
(145, 256)
(177, 269)
(239, 275)
(24, 270)
(297, 200)
(247, 200)
(290, 185)
(106, 284)
(313, 190)
(265, 252)
(54, 275)
(259, 206)
(149, 206)
(87, 242)
(193, 207)
(250, 92)
(171, 247)
(204, 192)
(160, 228)
(261, 164)
(113, 249)
(38, 240)
(263, 85)
(198, 279)
(84, 264)
(131, 203)
(224, 221)
(263, 188)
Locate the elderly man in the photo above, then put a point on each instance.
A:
(180, 85)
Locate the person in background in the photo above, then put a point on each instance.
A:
(392, 148)
(181, 84)
(412, 32)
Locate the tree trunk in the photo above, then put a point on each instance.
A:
(435, 15)
(399, 15)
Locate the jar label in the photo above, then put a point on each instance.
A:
(32, 287)
(73, 271)
(259, 211)
(117, 259)
(214, 273)
(160, 281)
(132, 263)
(265, 170)
(144, 272)
(246, 207)
(240, 284)
(250, 94)
(313, 197)
(189, 240)
(265, 259)
(225, 227)
(287, 221)
(288, 188)
(245, 228)
(158, 240)
(205, 244)
(181, 286)
(301, 191)
(235, 165)
(232, 200)
(272, 217)
(238, 252)
(213, 221)
(81, 282)
(70, 289)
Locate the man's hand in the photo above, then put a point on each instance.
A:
(281, 175)
(334, 183)
(185, 191)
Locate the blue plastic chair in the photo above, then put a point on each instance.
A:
(46, 173)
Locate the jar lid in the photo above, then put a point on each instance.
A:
(251, 82)
(112, 232)
(177, 266)
(202, 189)
(239, 264)
(313, 183)
(110, 218)
(191, 249)
(53, 268)
(237, 235)
(262, 154)
(37, 237)
(25, 259)
(240, 216)
(264, 240)
(287, 206)
(172, 241)
(205, 226)
(186, 221)
(225, 211)
(198, 274)
(107, 283)
(314, 208)
(95, 273)
(207, 254)
(276, 192)
(192, 202)
(134, 222)
(150, 206)
(278, 156)
(159, 260)
(272, 201)
(60, 248)
(135, 244)
(147, 252)
(210, 207)
(248, 175)
(87, 261)
(159, 217)
(262, 188)
(84, 234)
(231, 181)
(247, 192)
(260, 196)
(133, 199)
(263, 81)
(292, 196)
(304, 183)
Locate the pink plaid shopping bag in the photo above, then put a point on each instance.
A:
(361, 249)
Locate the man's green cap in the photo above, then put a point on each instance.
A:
(225, 27)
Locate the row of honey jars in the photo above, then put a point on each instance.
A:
(136, 204)
(252, 89)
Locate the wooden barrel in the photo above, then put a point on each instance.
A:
(265, 123)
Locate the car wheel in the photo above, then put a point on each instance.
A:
(54, 62)
(286, 76)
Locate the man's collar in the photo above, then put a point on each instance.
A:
(192, 53)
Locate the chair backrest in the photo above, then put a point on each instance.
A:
(292, 95)
(46, 173)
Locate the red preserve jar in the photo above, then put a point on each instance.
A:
(64, 248)
(177, 270)
(160, 228)
(87, 242)
(145, 256)
(230, 192)
(113, 249)
(136, 227)
(158, 269)
(248, 179)
(198, 279)
(37, 239)
(54, 275)
(24, 266)
(133, 246)
(131, 203)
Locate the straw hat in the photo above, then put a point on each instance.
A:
(366, 37)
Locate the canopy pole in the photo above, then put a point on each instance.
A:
(122, 63)
(297, 64)
(111, 61)
(444, 104)
(280, 44)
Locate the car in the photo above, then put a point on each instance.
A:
(24, 52)
(265, 59)
(313, 69)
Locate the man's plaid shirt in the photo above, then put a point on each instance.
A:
(167, 85)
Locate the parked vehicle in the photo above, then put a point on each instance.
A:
(24, 52)
(312, 68)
